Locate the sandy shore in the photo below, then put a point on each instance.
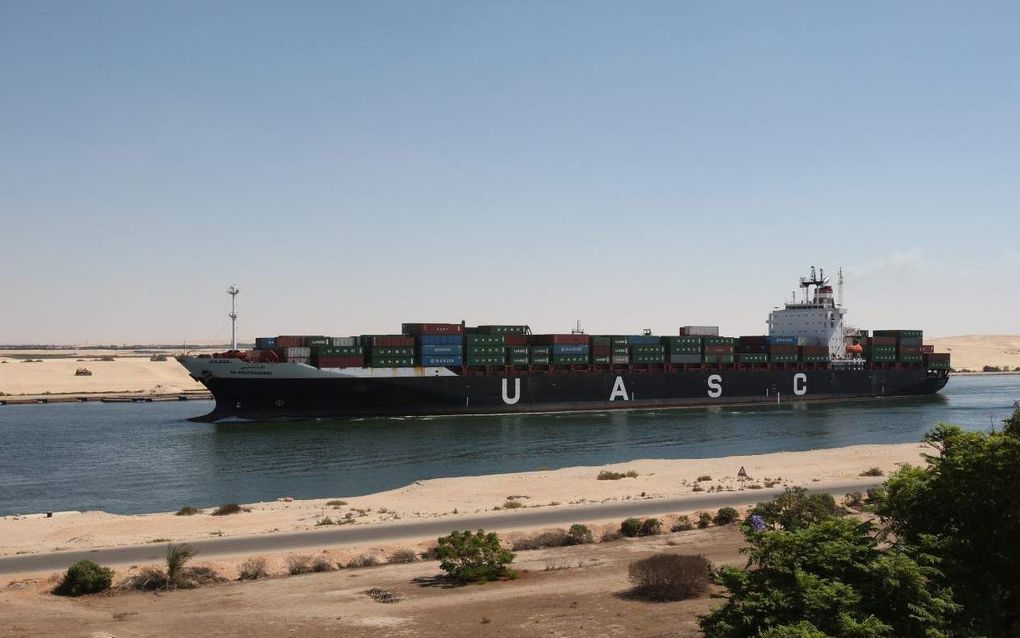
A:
(53, 372)
(973, 352)
(453, 497)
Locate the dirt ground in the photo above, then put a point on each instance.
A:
(564, 592)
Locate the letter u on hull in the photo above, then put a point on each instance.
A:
(517, 391)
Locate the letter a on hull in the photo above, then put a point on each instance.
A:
(619, 390)
(517, 392)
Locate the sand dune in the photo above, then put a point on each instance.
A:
(123, 374)
(973, 352)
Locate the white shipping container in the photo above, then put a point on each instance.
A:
(699, 331)
(344, 341)
(620, 359)
(304, 360)
(297, 353)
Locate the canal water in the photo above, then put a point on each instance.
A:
(131, 458)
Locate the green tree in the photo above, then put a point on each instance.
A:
(473, 556)
(963, 507)
(796, 508)
(830, 579)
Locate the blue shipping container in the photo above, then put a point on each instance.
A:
(642, 340)
(570, 348)
(783, 341)
(265, 343)
(447, 350)
(429, 360)
(441, 340)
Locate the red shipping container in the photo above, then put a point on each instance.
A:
(432, 329)
(515, 340)
(938, 356)
(815, 349)
(910, 349)
(601, 350)
(392, 341)
(753, 339)
(556, 340)
(286, 341)
(783, 349)
(882, 341)
(718, 349)
(927, 349)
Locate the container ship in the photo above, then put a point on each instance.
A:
(809, 354)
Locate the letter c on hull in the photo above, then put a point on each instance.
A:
(800, 384)
(714, 386)
(517, 392)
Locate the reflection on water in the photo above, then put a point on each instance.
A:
(148, 457)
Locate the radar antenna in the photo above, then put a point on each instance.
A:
(839, 283)
(232, 291)
(577, 329)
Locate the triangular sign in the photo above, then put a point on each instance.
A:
(742, 472)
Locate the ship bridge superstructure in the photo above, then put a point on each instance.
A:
(816, 319)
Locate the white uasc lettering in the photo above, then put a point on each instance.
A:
(517, 392)
(714, 386)
(800, 384)
(619, 391)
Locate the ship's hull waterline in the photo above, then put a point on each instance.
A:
(294, 391)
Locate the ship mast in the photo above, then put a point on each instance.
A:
(232, 291)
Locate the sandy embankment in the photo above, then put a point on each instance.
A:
(453, 497)
(128, 372)
(973, 352)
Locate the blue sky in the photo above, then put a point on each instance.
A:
(353, 165)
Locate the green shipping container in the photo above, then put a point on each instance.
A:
(911, 357)
(539, 351)
(684, 349)
(917, 334)
(682, 341)
(517, 350)
(600, 359)
(517, 359)
(484, 361)
(484, 340)
(503, 330)
(720, 341)
(569, 359)
(339, 351)
(752, 357)
(783, 358)
(393, 351)
(601, 341)
(816, 358)
(540, 360)
(648, 358)
(621, 350)
(648, 349)
(392, 362)
(484, 350)
(720, 358)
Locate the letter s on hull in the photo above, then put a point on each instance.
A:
(714, 386)
(800, 384)
(517, 392)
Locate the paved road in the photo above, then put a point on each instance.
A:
(386, 532)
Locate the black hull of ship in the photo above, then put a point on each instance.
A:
(281, 398)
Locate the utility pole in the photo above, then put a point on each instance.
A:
(232, 291)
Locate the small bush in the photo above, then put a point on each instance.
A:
(609, 475)
(322, 564)
(726, 515)
(579, 534)
(552, 538)
(148, 579)
(854, 500)
(704, 520)
(253, 569)
(797, 508)
(187, 510)
(611, 535)
(382, 596)
(324, 521)
(512, 505)
(336, 503)
(84, 577)
(431, 553)
(651, 527)
(703, 478)
(682, 524)
(874, 471)
(402, 556)
(631, 527)
(670, 576)
(474, 556)
(228, 509)
(299, 565)
(365, 560)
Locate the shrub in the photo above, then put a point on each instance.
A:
(382, 596)
(322, 564)
(402, 556)
(431, 553)
(552, 538)
(854, 500)
(365, 560)
(473, 556)
(703, 478)
(299, 565)
(796, 508)
(682, 524)
(229, 508)
(512, 505)
(608, 475)
(611, 535)
(148, 579)
(325, 521)
(726, 515)
(631, 527)
(874, 471)
(84, 577)
(579, 534)
(651, 527)
(187, 510)
(704, 520)
(670, 576)
(336, 503)
(253, 569)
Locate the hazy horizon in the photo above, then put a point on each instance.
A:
(352, 166)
